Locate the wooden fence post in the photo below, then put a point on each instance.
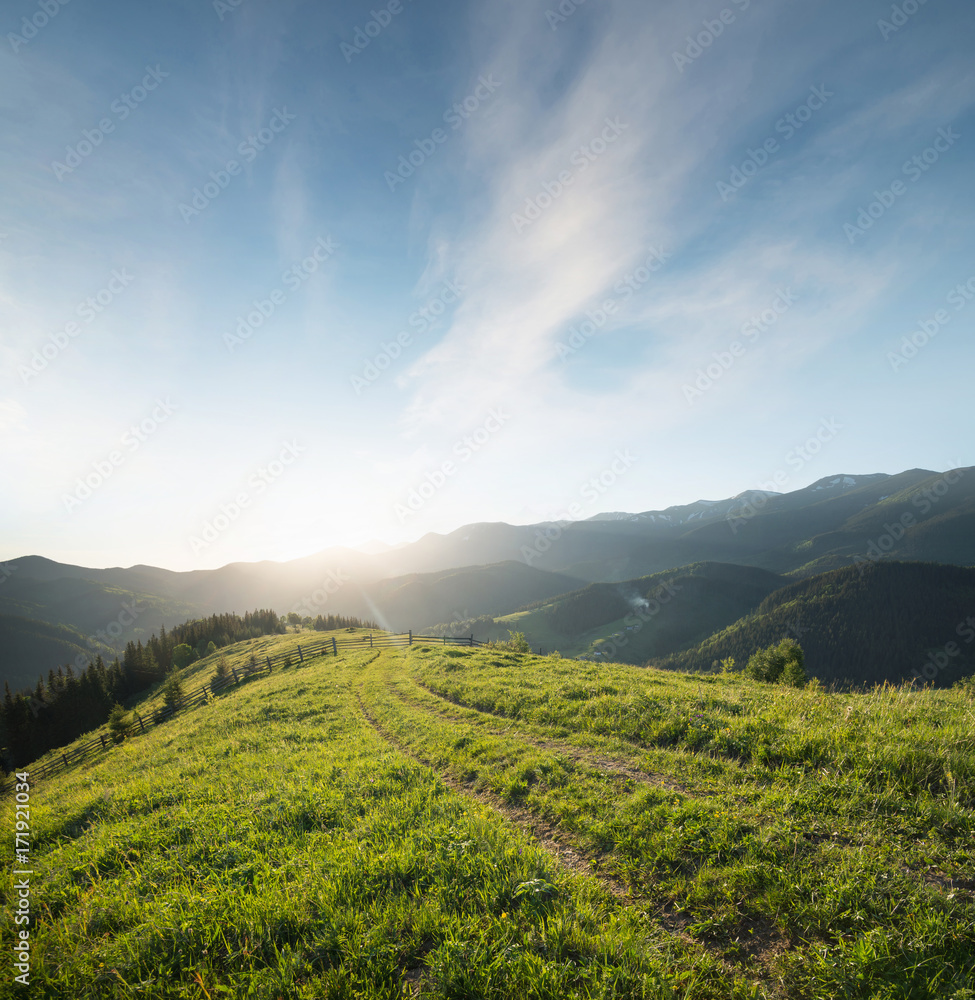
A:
(102, 738)
(270, 669)
(301, 656)
(142, 725)
(234, 671)
(370, 640)
(411, 637)
(335, 648)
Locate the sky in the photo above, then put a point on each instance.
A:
(281, 276)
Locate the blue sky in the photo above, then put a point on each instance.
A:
(275, 277)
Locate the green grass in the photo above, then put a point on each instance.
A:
(363, 827)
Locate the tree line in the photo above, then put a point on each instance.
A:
(329, 623)
(69, 703)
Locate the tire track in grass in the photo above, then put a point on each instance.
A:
(549, 835)
(546, 834)
(564, 854)
(613, 767)
(561, 846)
(666, 781)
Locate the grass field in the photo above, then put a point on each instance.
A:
(462, 823)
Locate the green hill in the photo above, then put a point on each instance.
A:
(111, 614)
(72, 618)
(32, 648)
(452, 823)
(884, 622)
(650, 616)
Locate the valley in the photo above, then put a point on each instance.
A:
(543, 574)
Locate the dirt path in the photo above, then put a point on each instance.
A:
(551, 838)
(545, 834)
(614, 767)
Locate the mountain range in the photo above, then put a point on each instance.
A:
(494, 569)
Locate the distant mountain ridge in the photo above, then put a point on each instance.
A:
(839, 521)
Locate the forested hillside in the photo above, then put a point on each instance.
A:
(70, 702)
(880, 622)
(32, 647)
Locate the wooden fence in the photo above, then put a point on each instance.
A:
(259, 665)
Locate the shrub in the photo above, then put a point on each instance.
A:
(173, 691)
(784, 663)
(222, 672)
(794, 673)
(184, 655)
(517, 643)
(118, 723)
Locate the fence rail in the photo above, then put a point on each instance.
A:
(200, 696)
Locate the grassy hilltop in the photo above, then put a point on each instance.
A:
(456, 823)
